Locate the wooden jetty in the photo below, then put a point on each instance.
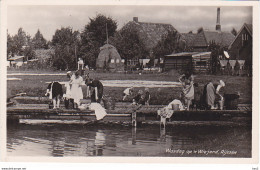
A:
(127, 113)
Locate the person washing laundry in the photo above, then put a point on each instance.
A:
(127, 92)
(97, 93)
(54, 91)
(187, 95)
(211, 93)
(147, 96)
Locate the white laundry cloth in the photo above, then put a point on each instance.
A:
(99, 110)
(241, 63)
(68, 92)
(232, 63)
(175, 101)
(223, 63)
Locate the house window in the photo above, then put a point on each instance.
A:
(112, 61)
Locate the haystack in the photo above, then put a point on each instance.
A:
(109, 59)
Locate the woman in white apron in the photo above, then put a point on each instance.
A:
(76, 90)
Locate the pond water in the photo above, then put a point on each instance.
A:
(60, 140)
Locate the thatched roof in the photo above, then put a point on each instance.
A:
(150, 33)
(106, 55)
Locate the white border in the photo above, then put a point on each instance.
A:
(168, 160)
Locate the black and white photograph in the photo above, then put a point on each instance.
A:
(168, 81)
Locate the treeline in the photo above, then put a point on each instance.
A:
(69, 44)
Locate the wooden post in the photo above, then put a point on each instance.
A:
(133, 135)
(163, 121)
(134, 121)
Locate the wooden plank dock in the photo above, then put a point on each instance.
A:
(127, 113)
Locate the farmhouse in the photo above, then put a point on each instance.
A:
(241, 47)
(149, 33)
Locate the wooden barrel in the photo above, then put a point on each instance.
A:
(109, 103)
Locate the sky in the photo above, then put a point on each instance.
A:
(184, 18)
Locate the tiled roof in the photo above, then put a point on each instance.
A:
(204, 38)
(223, 38)
(188, 38)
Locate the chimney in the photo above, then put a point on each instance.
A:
(135, 19)
(218, 26)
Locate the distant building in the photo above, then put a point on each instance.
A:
(196, 62)
(241, 47)
(16, 61)
(200, 42)
(149, 33)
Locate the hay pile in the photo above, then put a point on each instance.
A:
(109, 59)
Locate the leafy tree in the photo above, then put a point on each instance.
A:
(98, 26)
(65, 42)
(234, 31)
(29, 53)
(20, 44)
(94, 36)
(216, 50)
(20, 40)
(39, 41)
(168, 44)
(129, 44)
(10, 46)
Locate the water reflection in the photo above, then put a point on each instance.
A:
(101, 140)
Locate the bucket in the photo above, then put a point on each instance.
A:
(175, 107)
(221, 104)
(109, 103)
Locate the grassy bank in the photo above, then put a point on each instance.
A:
(36, 85)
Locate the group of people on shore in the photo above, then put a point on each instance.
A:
(74, 91)
(191, 96)
(141, 98)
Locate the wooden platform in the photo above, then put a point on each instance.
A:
(127, 113)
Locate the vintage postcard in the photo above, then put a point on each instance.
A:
(161, 82)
